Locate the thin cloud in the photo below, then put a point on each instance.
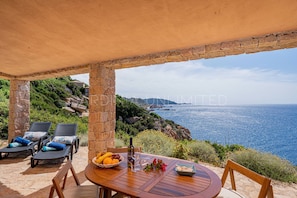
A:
(198, 83)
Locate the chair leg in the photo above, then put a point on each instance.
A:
(32, 151)
(76, 145)
(105, 193)
(71, 152)
(33, 164)
(101, 192)
(3, 156)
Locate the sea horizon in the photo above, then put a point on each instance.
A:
(270, 128)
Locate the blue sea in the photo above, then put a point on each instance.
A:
(266, 128)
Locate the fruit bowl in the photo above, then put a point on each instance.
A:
(101, 165)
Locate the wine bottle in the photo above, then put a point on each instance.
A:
(131, 154)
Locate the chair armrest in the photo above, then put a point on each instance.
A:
(42, 141)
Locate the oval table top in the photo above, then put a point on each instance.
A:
(203, 184)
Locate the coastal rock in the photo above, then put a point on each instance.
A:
(173, 130)
(132, 120)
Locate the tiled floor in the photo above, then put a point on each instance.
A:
(18, 179)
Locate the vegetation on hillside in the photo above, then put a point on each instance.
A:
(200, 151)
(4, 100)
(47, 99)
(49, 96)
(132, 119)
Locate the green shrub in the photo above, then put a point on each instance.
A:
(44, 116)
(203, 151)
(235, 147)
(266, 164)
(127, 109)
(127, 128)
(221, 150)
(181, 151)
(83, 140)
(155, 142)
(123, 136)
(3, 112)
(224, 151)
(119, 143)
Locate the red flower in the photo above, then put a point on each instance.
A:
(155, 161)
(156, 165)
(163, 167)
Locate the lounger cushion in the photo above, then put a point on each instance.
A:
(64, 139)
(14, 144)
(34, 135)
(48, 148)
(23, 141)
(58, 146)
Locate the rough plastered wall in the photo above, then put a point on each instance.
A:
(102, 109)
(19, 108)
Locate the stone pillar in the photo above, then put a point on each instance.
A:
(19, 108)
(102, 109)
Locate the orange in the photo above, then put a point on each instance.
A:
(115, 161)
(107, 160)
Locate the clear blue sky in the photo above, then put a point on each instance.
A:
(259, 78)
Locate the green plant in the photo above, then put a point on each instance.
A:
(4, 110)
(156, 165)
(127, 128)
(123, 136)
(43, 115)
(127, 109)
(155, 142)
(266, 164)
(181, 151)
(83, 140)
(220, 150)
(203, 151)
(119, 143)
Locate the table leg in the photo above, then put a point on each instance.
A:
(106, 193)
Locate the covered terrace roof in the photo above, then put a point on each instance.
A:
(41, 39)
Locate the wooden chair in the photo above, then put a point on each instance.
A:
(266, 188)
(78, 191)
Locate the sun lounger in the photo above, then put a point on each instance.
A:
(37, 133)
(65, 134)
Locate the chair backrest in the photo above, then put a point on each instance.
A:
(123, 149)
(266, 188)
(60, 179)
(65, 130)
(40, 126)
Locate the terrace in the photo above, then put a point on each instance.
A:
(46, 39)
(29, 185)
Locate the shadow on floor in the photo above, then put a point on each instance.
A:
(44, 192)
(8, 193)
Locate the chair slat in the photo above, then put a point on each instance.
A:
(78, 191)
(266, 188)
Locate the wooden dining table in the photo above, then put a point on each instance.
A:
(156, 183)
